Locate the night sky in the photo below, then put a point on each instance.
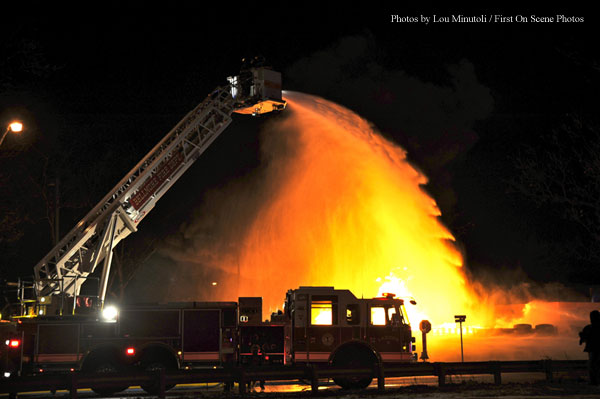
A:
(474, 104)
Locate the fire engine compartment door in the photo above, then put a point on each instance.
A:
(268, 339)
(149, 323)
(201, 335)
(57, 343)
(324, 331)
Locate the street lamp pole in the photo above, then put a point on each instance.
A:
(460, 319)
(15, 127)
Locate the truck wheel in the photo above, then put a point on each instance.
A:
(153, 366)
(101, 366)
(354, 358)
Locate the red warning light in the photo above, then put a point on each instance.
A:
(14, 343)
(130, 351)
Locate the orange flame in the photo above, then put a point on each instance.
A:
(348, 209)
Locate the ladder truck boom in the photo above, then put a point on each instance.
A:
(90, 243)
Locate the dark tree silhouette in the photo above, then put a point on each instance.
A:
(561, 176)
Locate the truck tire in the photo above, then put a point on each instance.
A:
(104, 365)
(155, 364)
(354, 356)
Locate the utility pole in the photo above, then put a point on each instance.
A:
(56, 211)
(56, 223)
(460, 319)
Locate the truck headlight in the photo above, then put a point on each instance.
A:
(110, 313)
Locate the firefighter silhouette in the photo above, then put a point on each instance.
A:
(590, 335)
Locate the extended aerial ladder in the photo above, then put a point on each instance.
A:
(90, 243)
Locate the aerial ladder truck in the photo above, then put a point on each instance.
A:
(90, 244)
(319, 325)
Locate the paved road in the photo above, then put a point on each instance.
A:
(515, 385)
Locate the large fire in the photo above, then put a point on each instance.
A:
(350, 211)
(347, 209)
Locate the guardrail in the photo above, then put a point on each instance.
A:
(75, 380)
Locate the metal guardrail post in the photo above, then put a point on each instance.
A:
(547, 366)
(314, 378)
(440, 371)
(161, 383)
(497, 372)
(380, 377)
(229, 382)
(73, 386)
(242, 382)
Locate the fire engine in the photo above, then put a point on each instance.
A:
(329, 325)
(318, 325)
(60, 330)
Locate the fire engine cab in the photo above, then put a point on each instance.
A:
(329, 325)
(325, 325)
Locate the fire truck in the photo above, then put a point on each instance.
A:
(60, 330)
(318, 325)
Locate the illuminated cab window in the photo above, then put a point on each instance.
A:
(378, 316)
(391, 312)
(394, 317)
(321, 313)
(323, 310)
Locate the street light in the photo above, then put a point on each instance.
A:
(15, 127)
